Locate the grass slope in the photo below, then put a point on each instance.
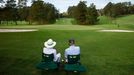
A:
(104, 20)
(64, 21)
(126, 20)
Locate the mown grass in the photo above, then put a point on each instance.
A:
(64, 21)
(126, 20)
(104, 20)
(102, 53)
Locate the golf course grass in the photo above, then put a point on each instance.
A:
(102, 53)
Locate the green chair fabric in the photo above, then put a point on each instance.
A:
(46, 66)
(47, 62)
(47, 57)
(74, 67)
(73, 59)
(74, 64)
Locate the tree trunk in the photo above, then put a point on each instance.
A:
(29, 22)
(7, 22)
(15, 22)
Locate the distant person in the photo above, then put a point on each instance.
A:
(49, 49)
(72, 49)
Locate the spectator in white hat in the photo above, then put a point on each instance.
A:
(49, 49)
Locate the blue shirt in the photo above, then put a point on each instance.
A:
(72, 50)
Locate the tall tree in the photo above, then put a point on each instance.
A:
(43, 13)
(84, 15)
(118, 9)
(80, 12)
(23, 10)
(37, 11)
(71, 11)
(92, 14)
(22, 3)
(107, 9)
(51, 15)
(12, 11)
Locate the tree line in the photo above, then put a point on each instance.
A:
(82, 14)
(39, 12)
(45, 13)
(118, 9)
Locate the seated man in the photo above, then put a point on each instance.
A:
(72, 50)
(48, 49)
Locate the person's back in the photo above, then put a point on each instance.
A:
(48, 49)
(72, 50)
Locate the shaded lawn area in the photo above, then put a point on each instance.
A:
(101, 53)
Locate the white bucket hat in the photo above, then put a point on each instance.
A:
(49, 43)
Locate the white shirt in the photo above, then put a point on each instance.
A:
(72, 50)
(50, 51)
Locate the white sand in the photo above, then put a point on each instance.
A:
(116, 31)
(17, 30)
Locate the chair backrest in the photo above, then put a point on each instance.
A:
(47, 57)
(73, 59)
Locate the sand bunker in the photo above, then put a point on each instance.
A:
(18, 30)
(116, 31)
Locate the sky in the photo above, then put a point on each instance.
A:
(62, 5)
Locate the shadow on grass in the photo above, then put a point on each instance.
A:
(19, 66)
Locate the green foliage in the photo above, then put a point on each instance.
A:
(118, 9)
(71, 11)
(104, 20)
(80, 13)
(23, 10)
(92, 15)
(43, 13)
(83, 15)
(107, 9)
(39, 12)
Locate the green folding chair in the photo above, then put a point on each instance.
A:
(47, 62)
(74, 64)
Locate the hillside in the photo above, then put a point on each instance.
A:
(124, 20)
(103, 20)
